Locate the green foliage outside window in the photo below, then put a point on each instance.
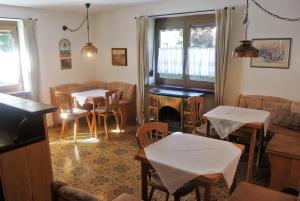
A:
(6, 41)
(202, 37)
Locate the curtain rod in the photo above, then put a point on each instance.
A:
(181, 13)
(16, 18)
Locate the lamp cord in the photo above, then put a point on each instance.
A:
(73, 30)
(274, 15)
(88, 24)
(246, 21)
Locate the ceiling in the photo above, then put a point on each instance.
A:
(76, 5)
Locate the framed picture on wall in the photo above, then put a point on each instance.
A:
(65, 54)
(119, 56)
(273, 53)
(66, 63)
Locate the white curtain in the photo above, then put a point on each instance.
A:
(145, 48)
(170, 61)
(201, 61)
(30, 59)
(223, 23)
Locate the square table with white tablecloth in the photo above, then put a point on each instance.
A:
(88, 97)
(181, 157)
(82, 96)
(227, 119)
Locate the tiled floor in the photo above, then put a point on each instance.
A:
(108, 169)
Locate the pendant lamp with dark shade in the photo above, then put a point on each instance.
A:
(88, 49)
(246, 49)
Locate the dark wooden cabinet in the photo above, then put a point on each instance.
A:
(170, 106)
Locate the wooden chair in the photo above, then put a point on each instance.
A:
(111, 108)
(69, 113)
(147, 134)
(196, 106)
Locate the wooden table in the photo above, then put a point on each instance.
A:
(229, 120)
(93, 97)
(207, 181)
(253, 128)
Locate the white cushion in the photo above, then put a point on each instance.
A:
(76, 112)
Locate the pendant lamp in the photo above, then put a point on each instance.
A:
(246, 49)
(88, 49)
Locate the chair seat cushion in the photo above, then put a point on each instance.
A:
(275, 129)
(201, 129)
(100, 109)
(287, 119)
(76, 113)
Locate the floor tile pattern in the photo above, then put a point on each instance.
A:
(107, 168)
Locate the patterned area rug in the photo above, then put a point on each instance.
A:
(108, 169)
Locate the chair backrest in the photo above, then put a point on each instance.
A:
(151, 132)
(112, 99)
(64, 101)
(196, 106)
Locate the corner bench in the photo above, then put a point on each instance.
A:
(127, 102)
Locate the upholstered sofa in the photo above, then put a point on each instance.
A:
(283, 149)
(285, 114)
(127, 102)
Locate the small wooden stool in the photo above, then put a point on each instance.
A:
(126, 197)
(250, 192)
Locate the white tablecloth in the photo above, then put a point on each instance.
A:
(181, 157)
(227, 119)
(83, 95)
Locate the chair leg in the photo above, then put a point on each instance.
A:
(151, 193)
(105, 125)
(89, 124)
(116, 115)
(197, 194)
(67, 128)
(176, 198)
(75, 130)
(121, 120)
(77, 127)
(63, 125)
(233, 185)
(207, 193)
(260, 149)
(99, 121)
(167, 197)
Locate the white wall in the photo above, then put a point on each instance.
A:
(118, 29)
(277, 82)
(49, 33)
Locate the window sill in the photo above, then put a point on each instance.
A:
(190, 89)
(21, 94)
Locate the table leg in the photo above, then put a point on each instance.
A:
(251, 155)
(144, 172)
(260, 147)
(207, 128)
(207, 193)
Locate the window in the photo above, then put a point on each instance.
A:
(185, 51)
(10, 71)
